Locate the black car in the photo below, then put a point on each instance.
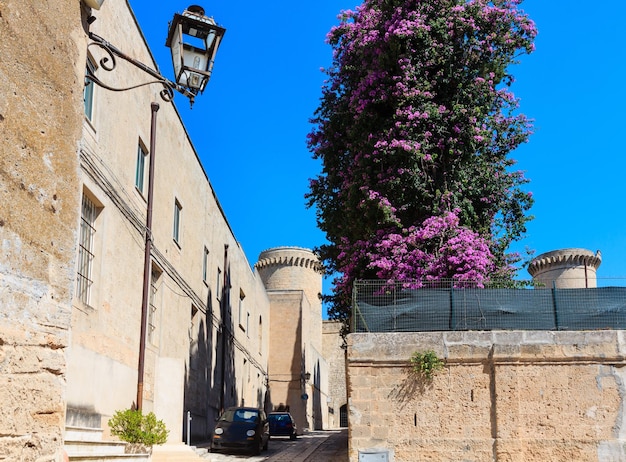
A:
(282, 424)
(241, 429)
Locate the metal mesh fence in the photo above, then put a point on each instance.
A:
(420, 306)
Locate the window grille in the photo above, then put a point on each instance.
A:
(152, 307)
(84, 280)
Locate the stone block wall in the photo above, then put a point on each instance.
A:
(335, 356)
(502, 396)
(41, 83)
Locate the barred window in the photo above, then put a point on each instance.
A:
(152, 309)
(84, 281)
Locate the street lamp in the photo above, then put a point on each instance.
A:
(194, 40)
(193, 64)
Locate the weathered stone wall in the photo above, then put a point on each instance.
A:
(335, 355)
(502, 396)
(40, 125)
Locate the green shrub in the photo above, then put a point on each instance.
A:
(134, 427)
(426, 364)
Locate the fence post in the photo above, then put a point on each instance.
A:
(554, 306)
(395, 306)
(451, 323)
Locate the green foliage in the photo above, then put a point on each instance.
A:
(414, 131)
(426, 364)
(133, 427)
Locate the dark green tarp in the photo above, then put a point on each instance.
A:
(420, 310)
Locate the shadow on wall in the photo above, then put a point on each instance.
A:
(412, 385)
(293, 401)
(209, 389)
(198, 383)
(225, 370)
(318, 422)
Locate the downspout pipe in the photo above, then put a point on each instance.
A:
(225, 329)
(147, 263)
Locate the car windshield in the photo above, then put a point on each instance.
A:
(240, 415)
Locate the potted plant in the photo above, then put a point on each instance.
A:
(140, 431)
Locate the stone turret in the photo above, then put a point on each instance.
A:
(289, 268)
(566, 268)
(298, 374)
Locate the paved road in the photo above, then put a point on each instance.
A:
(317, 446)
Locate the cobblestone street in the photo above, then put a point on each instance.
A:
(317, 446)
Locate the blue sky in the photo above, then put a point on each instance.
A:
(250, 125)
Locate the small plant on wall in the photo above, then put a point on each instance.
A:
(426, 364)
(139, 430)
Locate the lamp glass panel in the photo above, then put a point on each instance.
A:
(195, 59)
(176, 51)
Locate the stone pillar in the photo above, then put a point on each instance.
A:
(566, 268)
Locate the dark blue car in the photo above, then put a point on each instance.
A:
(282, 424)
(241, 429)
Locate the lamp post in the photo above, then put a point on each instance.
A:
(194, 40)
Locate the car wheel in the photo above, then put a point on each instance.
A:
(292, 436)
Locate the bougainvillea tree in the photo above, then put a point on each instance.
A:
(414, 131)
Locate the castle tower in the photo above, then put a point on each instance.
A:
(298, 374)
(288, 268)
(566, 268)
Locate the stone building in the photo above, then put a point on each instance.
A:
(298, 374)
(207, 326)
(74, 179)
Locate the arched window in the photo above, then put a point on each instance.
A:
(343, 416)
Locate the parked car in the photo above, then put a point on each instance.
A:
(282, 424)
(241, 429)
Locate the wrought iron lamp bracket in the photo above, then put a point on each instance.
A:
(109, 63)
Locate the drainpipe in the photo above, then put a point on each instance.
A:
(147, 264)
(225, 330)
